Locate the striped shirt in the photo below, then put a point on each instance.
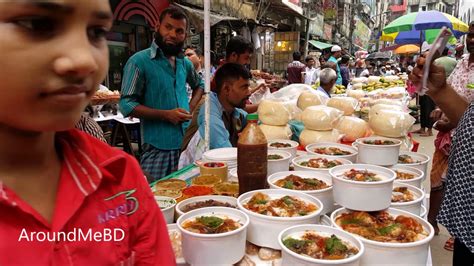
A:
(90, 126)
(150, 80)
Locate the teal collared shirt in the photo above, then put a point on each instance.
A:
(149, 80)
(339, 76)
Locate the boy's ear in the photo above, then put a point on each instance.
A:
(157, 26)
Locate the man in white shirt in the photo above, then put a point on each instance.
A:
(310, 73)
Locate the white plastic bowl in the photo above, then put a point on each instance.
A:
(364, 196)
(296, 163)
(378, 154)
(292, 150)
(232, 176)
(223, 199)
(218, 249)
(174, 227)
(292, 258)
(424, 213)
(416, 181)
(263, 230)
(411, 206)
(325, 220)
(324, 195)
(351, 157)
(283, 164)
(422, 165)
(377, 253)
(166, 205)
(221, 154)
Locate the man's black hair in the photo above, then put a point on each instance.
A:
(345, 59)
(238, 45)
(296, 56)
(195, 49)
(230, 72)
(175, 13)
(308, 58)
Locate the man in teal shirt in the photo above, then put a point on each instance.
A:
(336, 54)
(154, 90)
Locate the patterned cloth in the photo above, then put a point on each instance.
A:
(159, 163)
(461, 77)
(457, 208)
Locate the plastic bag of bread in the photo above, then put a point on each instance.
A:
(273, 113)
(357, 86)
(380, 107)
(373, 79)
(276, 132)
(376, 94)
(359, 80)
(395, 93)
(385, 101)
(346, 104)
(358, 94)
(320, 117)
(311, 98)
(353, 128)
(311, 136)
(389, 122)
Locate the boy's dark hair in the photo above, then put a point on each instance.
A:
(195, 49)
(345, 59)
(175, 13)
(230, 72)
(238, 45)
(296, 56)
(308, 58)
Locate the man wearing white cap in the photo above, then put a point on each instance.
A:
(336, 53)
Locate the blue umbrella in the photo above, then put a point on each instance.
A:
(415, 36)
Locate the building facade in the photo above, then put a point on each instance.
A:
(445, 6)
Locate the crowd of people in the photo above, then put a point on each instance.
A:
(56, 178)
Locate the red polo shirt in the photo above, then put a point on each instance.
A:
(101, 191)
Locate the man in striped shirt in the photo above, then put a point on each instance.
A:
(154, 90)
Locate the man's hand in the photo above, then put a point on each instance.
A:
(444, 125)
(436, 114)
(436, 79)
(178, 115)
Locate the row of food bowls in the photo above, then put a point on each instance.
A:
(262, 229)
(370, 150)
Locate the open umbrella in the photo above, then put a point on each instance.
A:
(425, 20)
(417, 37)
(378, 56)
(407, 49)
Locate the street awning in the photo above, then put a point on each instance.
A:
(197, 17)
(320, 45)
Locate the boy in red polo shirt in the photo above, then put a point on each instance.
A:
(66, 198)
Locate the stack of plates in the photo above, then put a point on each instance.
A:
(227, 155)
